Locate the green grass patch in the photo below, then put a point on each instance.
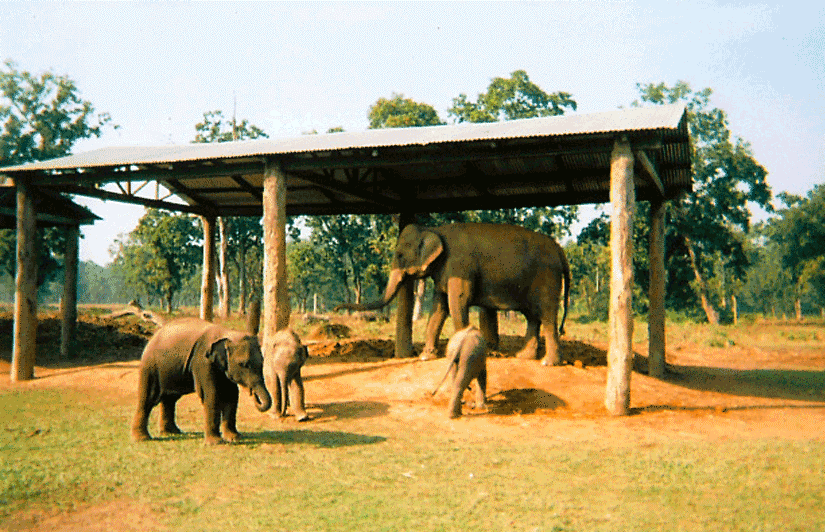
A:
(61, 449)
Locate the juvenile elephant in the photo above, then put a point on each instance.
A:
(492, 266)
(282, 371)
(467, 355)
(191, 355)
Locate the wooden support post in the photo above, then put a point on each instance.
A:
(24, 349)
(68, 303)
(275, 289)
(208, 274)
(656, 293)
(404, 308)
(620, 351)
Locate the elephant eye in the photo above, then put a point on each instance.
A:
(244, 364)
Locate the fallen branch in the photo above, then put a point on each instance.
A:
(133, 307)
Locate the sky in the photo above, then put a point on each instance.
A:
(294, 67)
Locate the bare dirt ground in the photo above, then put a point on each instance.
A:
(709, 394)
(719, 392)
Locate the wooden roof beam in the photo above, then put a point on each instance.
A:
(650, 170)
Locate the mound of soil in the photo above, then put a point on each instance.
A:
(329, 331)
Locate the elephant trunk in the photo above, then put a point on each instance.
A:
(394, 283)
(262, 398)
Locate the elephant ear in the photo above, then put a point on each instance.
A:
(218, 354)
(429, 248)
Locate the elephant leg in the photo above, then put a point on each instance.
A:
(434, 326)
(460, 383)
(167, 425)
(281, 401)
(488, 325)
(148, 398)
(552, 354)
(296, 398)
(211, 416)
(530, 351)
(481, 389)
(459, 293)
(229, 411)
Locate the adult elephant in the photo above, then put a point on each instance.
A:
(492, 266)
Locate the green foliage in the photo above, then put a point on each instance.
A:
(159, 254)
(510, 99)
(355, 249)
(216, 128)
(50, 244)
(398, 111)
(711, 220)
(799, 233)
(43, 116)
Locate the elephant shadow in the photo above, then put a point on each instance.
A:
(348, 410)
(324, 439)
(522, 401)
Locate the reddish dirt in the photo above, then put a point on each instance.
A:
(725, 392)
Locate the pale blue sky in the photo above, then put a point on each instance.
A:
(295, 67)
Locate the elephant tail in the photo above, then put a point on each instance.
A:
(566, 276)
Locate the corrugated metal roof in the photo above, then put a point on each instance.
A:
(637, 119)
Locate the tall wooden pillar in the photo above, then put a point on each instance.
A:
(208, 274)
(68, 303)
(275, 289)
(24, 348)
(656, 294)
(405, 303)
(620, 352)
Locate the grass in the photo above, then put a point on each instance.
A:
(62, 449)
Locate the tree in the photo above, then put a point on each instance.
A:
(158, 256)
(356, 249)
(398, 111)
(43, 117)
(799, 231)
(710, 220)
(234, 241)
(511, 99)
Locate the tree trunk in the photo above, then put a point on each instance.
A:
(735, 305)
(223, 267)
(242, 285)
(208, 274)
(68, 303)
(701, 285)
(797, 305)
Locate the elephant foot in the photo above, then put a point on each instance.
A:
(528, 353)
(551, 360)
(213, 440)
(140, 435)
(302, 418)
(428, 354)
(231, 437)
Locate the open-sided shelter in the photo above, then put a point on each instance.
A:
(620, 156)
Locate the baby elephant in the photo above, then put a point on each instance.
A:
(282, 371)
(191, 355)
(467, 352)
